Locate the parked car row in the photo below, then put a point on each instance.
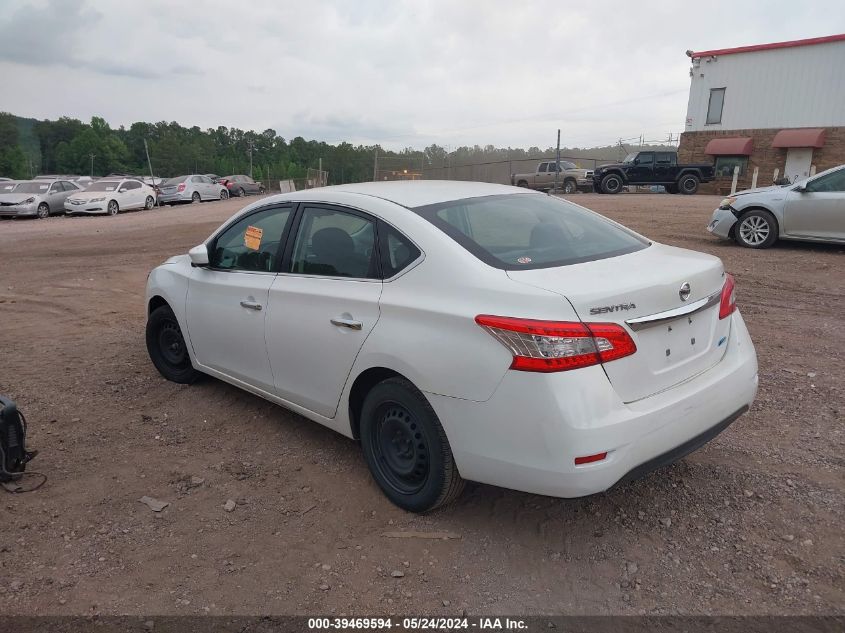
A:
(75, 195)
(238, 185)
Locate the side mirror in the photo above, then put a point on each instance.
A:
(801, 189)
(199, 256)
(121, 190)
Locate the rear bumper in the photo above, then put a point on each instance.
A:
(528, 434)
(173, 197)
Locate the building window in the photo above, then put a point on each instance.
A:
(715, 105)
(725, 165)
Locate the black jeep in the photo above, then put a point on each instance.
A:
(652, 168)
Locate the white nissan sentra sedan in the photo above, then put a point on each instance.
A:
(462, 331)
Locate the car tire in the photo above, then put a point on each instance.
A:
(241, 192)
(112, 208)
(195, 197)
(149, 203)
(43, 211)
(523, 184)
(167, 349)
(406, 448)
(224, 194)
(688, 184)
(756, 229)
(612, 184)
(570, 186)
(261, 191)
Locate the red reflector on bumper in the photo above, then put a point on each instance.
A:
(589, 459)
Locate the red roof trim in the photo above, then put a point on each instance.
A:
(737, 146)
(767, 47)
(800, 137)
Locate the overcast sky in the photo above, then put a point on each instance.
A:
(394, 72)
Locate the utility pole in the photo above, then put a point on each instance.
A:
(92, 164)
(557, 163)
(251, 146)
(375, 165)
(150, 165)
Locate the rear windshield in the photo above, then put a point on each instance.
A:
(170, 182)
(524, 231)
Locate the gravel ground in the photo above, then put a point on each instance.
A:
(750, 524)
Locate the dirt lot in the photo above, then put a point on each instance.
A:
(751, 524)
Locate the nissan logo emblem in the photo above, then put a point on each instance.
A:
(684, 291)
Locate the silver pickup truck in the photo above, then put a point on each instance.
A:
(570, 178)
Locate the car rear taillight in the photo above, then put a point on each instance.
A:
(181, 187)
(728, 303)
(549, 346)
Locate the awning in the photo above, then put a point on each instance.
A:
(737, 146)
(806, 137)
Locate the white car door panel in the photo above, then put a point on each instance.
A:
(323, 309)
(225, 315)
(315, 328)
(227, 303)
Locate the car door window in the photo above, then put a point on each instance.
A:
(131, 185)
(334, 243)
(252, 243)
(829, 183)
(645, 159)
(542, 168)
(397, 251)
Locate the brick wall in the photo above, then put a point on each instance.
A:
(691, 150)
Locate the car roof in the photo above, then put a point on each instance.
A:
(410, 193)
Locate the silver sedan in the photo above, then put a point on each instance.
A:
(811, 210)
(37, 198)
(192, 188)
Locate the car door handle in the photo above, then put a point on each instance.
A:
(350, 323)
(251, 305)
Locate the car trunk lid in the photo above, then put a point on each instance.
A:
(676, 339)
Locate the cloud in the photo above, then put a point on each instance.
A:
(395, 72)
(55, 35)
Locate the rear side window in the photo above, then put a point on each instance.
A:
(397, 251)
(524, 231)
(334, 243)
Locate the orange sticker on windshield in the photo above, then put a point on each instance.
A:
(252, 238)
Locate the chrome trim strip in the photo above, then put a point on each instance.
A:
(651, 320)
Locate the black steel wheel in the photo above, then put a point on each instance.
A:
(688, 184)
(166, 347)
(612, 183)
(406, 447)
